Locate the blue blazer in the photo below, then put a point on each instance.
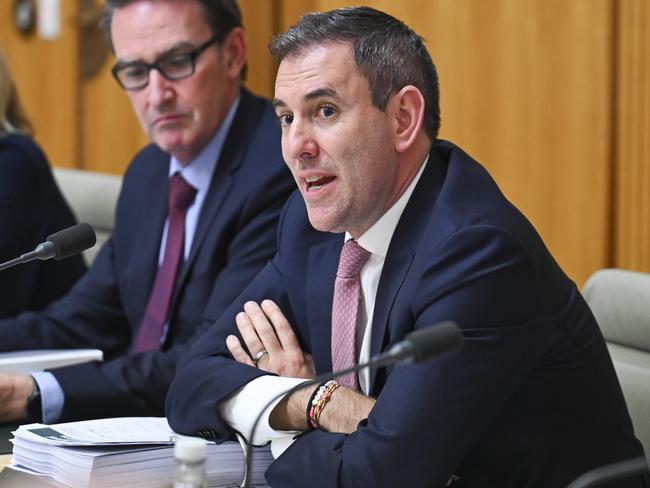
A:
(531, 399)
(31, 208)
(234, 238)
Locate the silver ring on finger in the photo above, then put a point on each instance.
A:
(259, 355)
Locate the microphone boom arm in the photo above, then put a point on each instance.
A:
(427, 343)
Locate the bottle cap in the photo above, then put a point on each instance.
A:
(190, 449)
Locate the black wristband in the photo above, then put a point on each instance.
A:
(311, 399)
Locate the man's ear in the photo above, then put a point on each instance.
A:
(234, 52)
(407, 109)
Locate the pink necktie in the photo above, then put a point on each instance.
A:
(181, 196)
(347, 293)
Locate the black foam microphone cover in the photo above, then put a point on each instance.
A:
(73, 240)
(430, 342)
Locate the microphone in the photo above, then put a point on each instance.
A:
(611, 472)
(420, 345)
(60, 245)
(416, 347)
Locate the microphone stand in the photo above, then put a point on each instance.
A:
(418, 346)
(43, 251)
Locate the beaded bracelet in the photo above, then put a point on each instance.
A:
(317, 392)
(313, 401)
(319, 402)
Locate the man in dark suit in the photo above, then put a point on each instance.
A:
(531, 399)
(215, 162)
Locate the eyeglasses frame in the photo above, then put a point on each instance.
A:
(193, 55)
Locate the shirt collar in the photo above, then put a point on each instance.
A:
(378, 237)
(198, 172)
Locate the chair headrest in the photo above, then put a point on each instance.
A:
(620, 300)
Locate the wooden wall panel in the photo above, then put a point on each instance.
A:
(526, 88)
(632, 170)
(110, 131)
(260, 24)
(45, 72)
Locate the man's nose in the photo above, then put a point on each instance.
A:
(299, 142)
(159, 88)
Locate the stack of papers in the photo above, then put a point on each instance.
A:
(122, 452)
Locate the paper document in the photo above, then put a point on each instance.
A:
(40, 359)
(131, 452)
(100, 432)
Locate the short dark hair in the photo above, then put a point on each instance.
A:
(387, 52)
(221, 16)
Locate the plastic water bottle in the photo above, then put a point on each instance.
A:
(190, 454)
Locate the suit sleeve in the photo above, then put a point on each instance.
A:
(427, 415)
(208, 374)
(65, 324)
(136, 384)
(31, 208)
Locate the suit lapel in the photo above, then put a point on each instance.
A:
(397, 264)
(232, 154)
(150, 228)
(401, 252)
(321, 272)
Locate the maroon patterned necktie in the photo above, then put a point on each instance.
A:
(181, 196)
(347, 293)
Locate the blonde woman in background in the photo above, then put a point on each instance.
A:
(31, 208)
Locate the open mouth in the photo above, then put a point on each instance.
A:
(315, 183)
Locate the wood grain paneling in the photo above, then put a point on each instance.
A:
(110, 131)
(526, 89)
(46, 72)
(261, 24)
(632, 169)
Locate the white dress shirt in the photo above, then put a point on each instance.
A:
(242, 407)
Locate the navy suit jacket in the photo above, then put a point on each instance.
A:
(235, 237)
(31, 208)
(530, 400)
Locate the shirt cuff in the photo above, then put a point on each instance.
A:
(242, 407)
(52, 396)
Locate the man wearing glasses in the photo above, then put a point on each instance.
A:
(195, 220)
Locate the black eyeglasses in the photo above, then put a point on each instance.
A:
(135, 75)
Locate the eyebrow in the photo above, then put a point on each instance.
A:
(321, 92)
(276, 102)
(166, 52)
(318, 93)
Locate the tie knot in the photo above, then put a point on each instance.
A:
(181, 193)
(352, 259)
